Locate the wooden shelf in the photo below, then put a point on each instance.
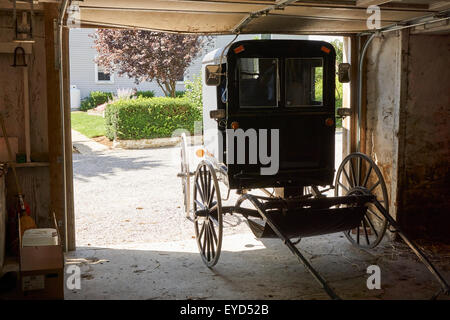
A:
(32, 164)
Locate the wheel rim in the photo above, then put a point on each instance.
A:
(359, 175)
(185, 179)
(208, 228)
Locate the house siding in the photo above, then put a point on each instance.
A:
(82, 65)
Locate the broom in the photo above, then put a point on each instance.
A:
(26, 222)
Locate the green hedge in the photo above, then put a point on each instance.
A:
(147, 118)
(95, 99)
(145, 94)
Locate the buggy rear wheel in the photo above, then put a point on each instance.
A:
(359, 175)
(185, 176)
(207, 206)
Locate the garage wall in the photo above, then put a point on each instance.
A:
(425, 203)
(407, 114)
(383, 108)
(34, 180)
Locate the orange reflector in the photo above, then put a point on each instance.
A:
(235, 125)
(329, 122)
(239, 49)
(325, 49)
(200, 153)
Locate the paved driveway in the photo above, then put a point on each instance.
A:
(124, 196)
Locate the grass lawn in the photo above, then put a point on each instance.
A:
(89, 125)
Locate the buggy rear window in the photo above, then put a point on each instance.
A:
(258, 82)
(304, 82)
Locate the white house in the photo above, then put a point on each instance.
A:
(87, 76)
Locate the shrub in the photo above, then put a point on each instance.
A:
(95, 99)
(147, 118)
(145, 94)
(194, 90)
(180, 93)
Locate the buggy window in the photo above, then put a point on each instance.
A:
(258, 82)
(304, 82)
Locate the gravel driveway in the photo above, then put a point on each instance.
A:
(124, 196)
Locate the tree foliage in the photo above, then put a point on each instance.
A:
(146, 55)
(338, 47)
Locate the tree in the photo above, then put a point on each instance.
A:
(338, 47)
(146, 55)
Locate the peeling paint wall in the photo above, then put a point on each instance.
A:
(407, 129)
(424, 209)
(382, 109)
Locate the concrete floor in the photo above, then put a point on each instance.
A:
(134, 243)
(251, 269)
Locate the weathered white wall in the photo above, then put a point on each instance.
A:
(383, 106)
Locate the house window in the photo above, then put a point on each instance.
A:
(102, 76)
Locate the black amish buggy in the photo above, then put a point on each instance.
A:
(276, 97)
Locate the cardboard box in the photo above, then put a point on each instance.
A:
(42, 272)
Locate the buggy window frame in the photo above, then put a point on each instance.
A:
(277, 83)
(322, 102)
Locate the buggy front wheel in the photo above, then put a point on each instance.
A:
(207, 207)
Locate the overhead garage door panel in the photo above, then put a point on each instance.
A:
(162, 21)
(249, 16)
(272, 24)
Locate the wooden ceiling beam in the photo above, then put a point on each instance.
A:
(367, 3)
(439, 5)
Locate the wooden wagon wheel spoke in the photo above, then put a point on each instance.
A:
(212, 242)
(198, 187)
(366, 217)
(205, 235)
(374, 186)
(202, 230)
(211, 196)
(365, 231)
(202, 207)
(207, 177)
(372, 212)
(214, 234)
(212, 208)
(352, 171)
(347, 177)
(208, 244)
(343, 186)
(358, 171)
(365, 180)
